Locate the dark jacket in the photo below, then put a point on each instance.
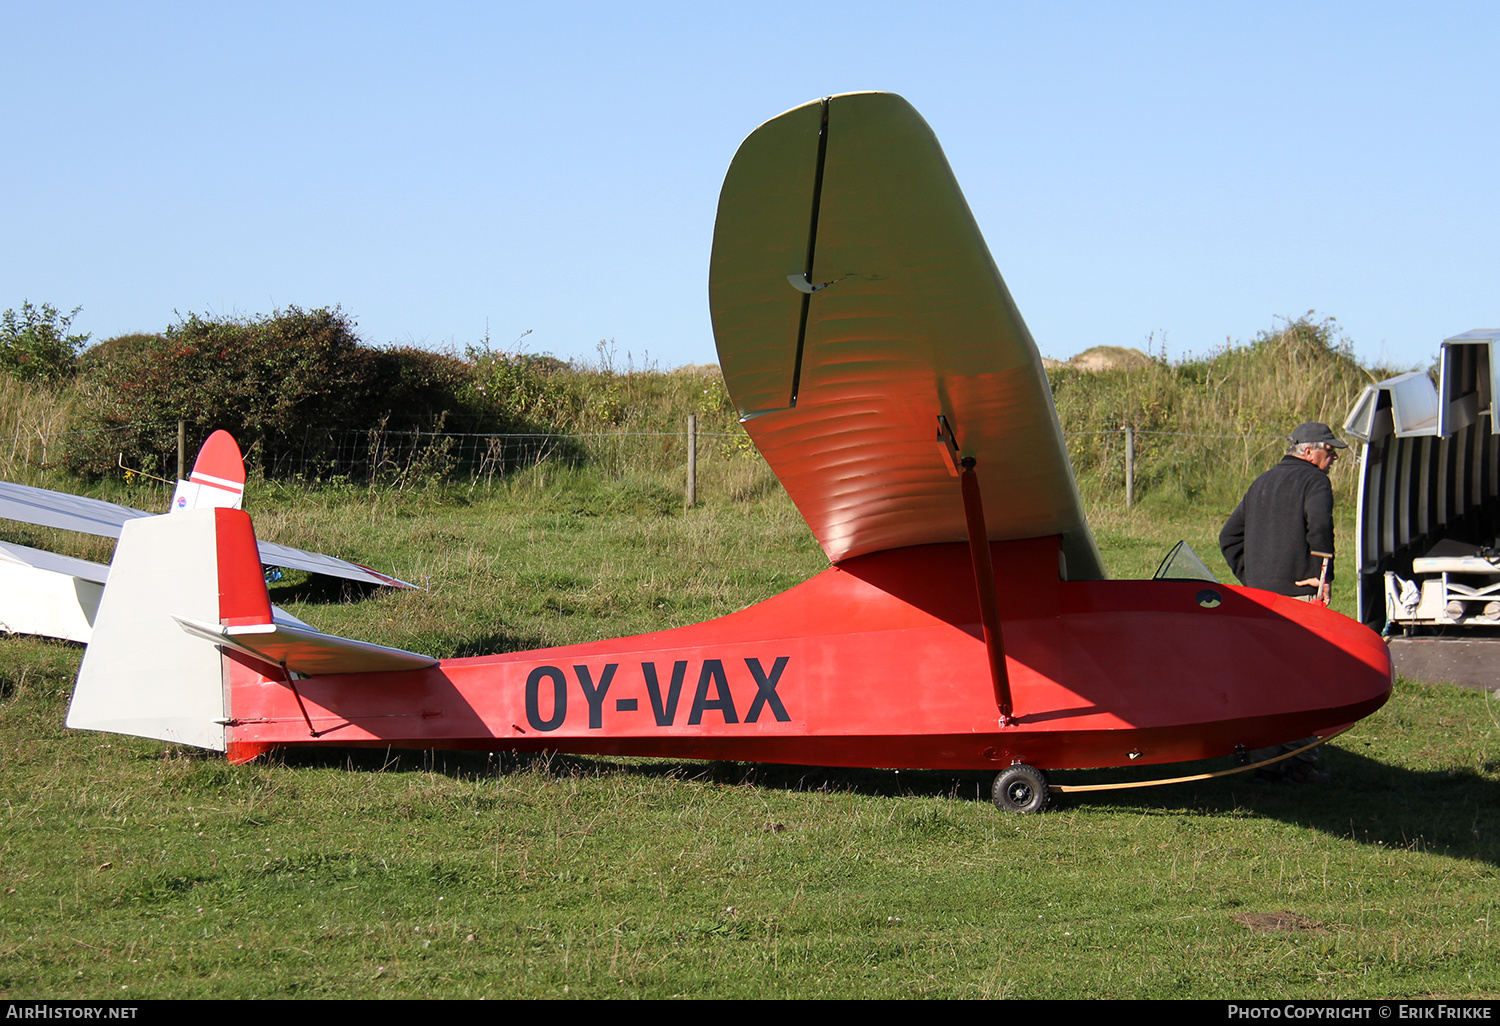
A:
(1285, 517)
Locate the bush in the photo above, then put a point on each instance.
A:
(35, 344)
(302, 395)
(305, 397)
(417, 388)
(266, 380)
(526, 386)
(288, 386)
(103, 358)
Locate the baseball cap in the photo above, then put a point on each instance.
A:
(1314, 432)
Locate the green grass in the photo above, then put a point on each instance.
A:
(131, 869)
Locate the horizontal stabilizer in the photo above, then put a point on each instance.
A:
(306, 651)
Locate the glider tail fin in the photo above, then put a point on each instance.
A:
(218, 477)
(142, 673)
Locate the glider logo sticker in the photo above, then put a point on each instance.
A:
(548, 690)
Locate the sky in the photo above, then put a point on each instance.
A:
(1158, 175)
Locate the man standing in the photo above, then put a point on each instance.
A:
(1280, 536)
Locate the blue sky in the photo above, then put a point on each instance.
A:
(1177, 172)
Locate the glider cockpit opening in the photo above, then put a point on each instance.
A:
(1181, 563)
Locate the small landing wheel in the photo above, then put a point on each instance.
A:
(1020, 788)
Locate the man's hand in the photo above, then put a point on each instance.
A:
(1324, 593)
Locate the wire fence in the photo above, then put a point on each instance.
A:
(403, 458)
(407, 458)
(1131, 462)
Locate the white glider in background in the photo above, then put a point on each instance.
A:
(56, 596)
(218, 477)
(53, 596)
(49, 595)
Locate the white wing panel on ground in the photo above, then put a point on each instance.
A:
(41, 559)
(47, 508)
(272, 554)
(47, 595)
(53, 596)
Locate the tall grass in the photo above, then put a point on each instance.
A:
(35, 417)
(1203, 426)
(132, 869)
(1206, 426)
(627, 419)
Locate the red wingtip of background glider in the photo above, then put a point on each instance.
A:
(219, 462)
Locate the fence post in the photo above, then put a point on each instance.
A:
(1129, 465)
(181, 450)
(692, 458)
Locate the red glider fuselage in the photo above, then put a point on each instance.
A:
(878, 661)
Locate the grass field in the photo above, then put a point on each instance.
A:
(130, 869)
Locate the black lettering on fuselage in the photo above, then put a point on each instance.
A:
(712, 693)
(766, 695)
(559, 698)
(665, 714)
(713, 670)
(595, 696)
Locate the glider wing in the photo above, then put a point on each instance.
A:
(47, 508)
(95, 516)
(854, 304)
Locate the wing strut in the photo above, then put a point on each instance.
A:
(286, 676)
(984, 581)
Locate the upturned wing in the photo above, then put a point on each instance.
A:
(854, 303)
